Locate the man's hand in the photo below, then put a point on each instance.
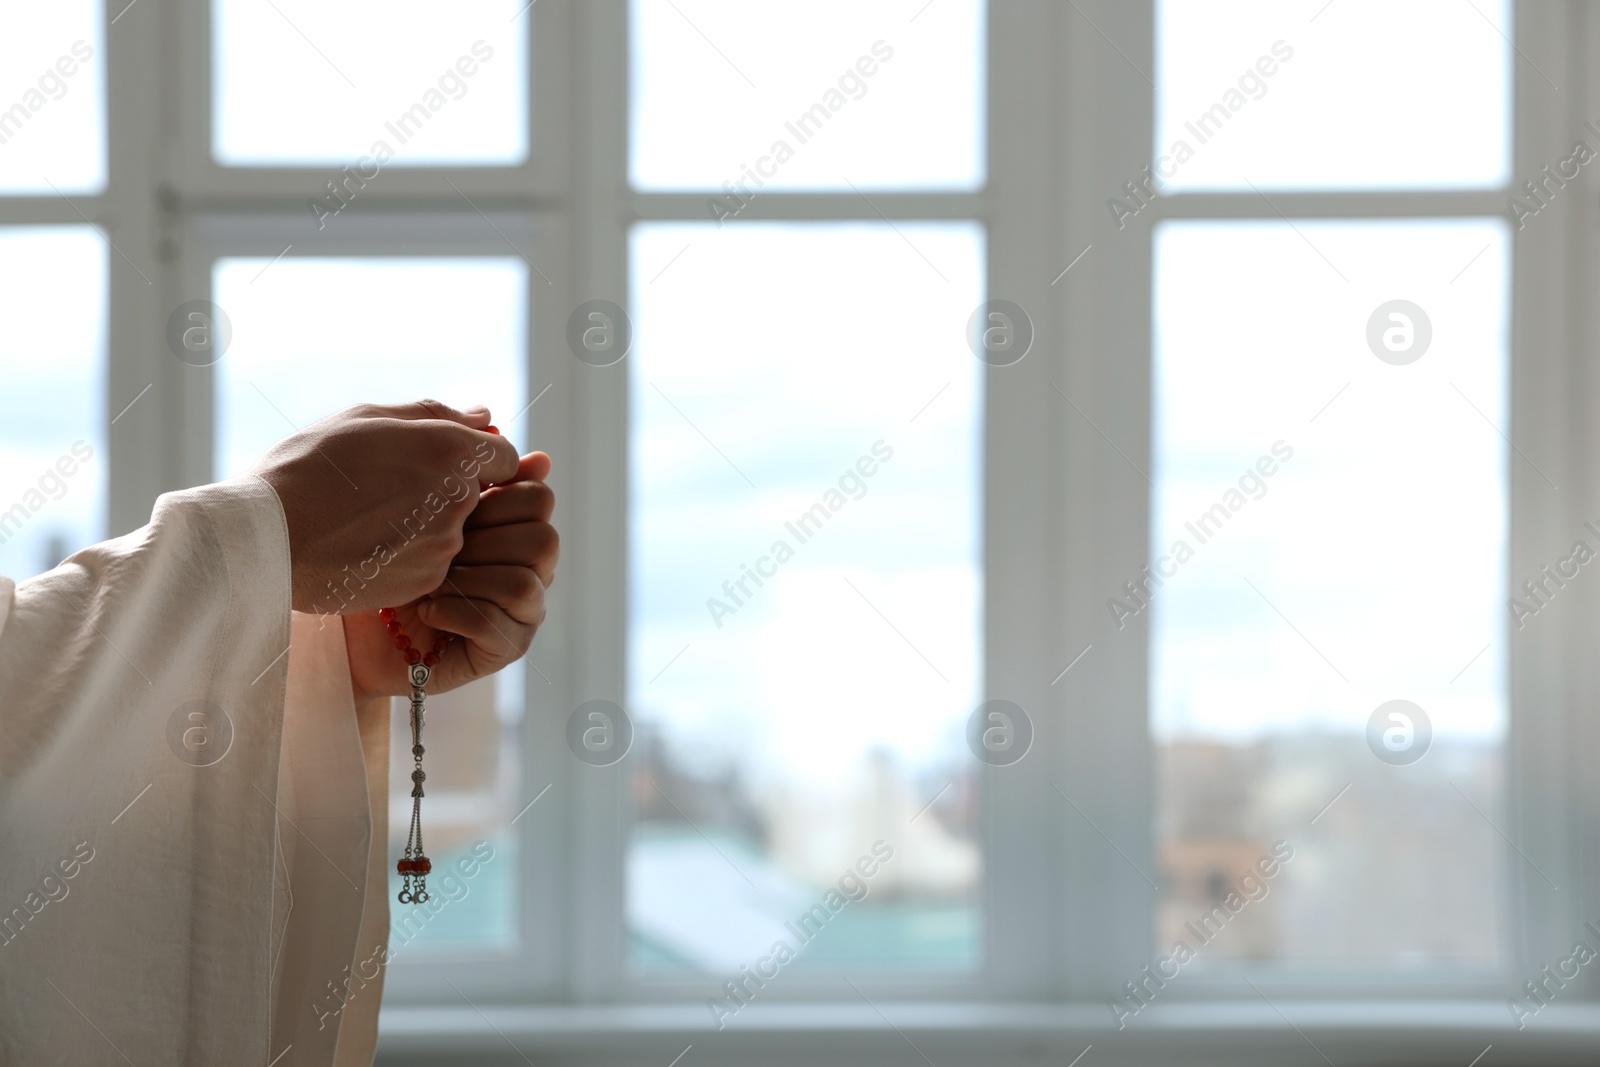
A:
(375, 499)
(492, 595)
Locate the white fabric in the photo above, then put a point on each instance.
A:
(152, 910)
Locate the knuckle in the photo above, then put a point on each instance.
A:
(451, 541)
(522, 638)
(548, 539)
(514, 588)
(441, 448)
(525, 586)
(544, 498)
(459, 497)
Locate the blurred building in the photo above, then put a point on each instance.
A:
(1376, 848)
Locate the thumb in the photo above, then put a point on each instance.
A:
(476, 417)
(534, 467)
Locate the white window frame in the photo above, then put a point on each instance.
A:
(1066, 921)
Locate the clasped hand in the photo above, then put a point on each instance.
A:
(384, 509)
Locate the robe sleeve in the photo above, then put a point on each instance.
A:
(192, 808)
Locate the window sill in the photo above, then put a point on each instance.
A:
(1345, 1032)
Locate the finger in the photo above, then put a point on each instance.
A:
(516, 502)
(481, 621)
(476, 417)
(519, 591)
(494, 459)
(522, 544)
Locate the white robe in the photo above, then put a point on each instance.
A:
(156, 907)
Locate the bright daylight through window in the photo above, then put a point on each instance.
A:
(1005, 531)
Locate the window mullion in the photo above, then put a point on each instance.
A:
(815, 206)
(595, 523)
(144, 442)
(1050, 535)
(1378, 203)
(1099, 403)
(1553, 681)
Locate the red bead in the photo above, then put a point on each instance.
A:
(431, 659)
(421, 865)
(490, 429)
(394, 627)
(413, 656)
(386, 614)
(402, 642)
(403, 867)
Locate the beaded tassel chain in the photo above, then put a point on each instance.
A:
(415, 866)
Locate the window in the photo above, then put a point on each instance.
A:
(804, 579)
(53, 474)
(390, 85)
(1329, 532)
(1287, 96)
(53, 113)
(804, 633)
(1334, 539)
(798, 117)
(979, 311)
(52, 462)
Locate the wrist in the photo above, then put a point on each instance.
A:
(361, 688)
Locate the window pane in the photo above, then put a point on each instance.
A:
(804, 622)
(1329, 532)
(397, 332)
(373, 85)
(52, 98)
(52, 461)
(822, 95)
(1353, 94)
